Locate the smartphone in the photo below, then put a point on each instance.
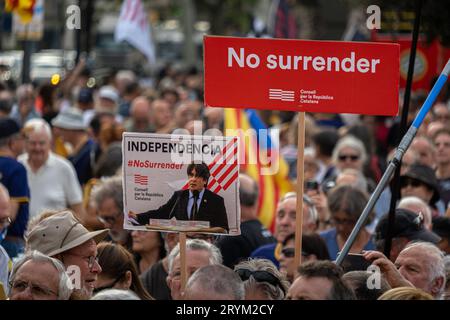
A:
(355, 262)
(311, 185)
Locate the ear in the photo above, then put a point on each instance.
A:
(128, 278)
(436, 285)
(169, 281)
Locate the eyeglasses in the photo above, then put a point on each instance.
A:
(36, 290)
(5, 222)
(290, 252)
(260, 276)
(352, 157)
(337, 221)
(108, 219)
(90, 260)
(411, 182)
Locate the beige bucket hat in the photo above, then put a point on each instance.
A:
(61, 232)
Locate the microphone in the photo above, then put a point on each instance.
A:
(173, 207)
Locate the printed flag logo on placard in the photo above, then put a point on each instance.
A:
(140, 179)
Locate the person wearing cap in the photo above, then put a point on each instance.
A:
(72, 130)
(13, 176)
(85, 102)
(63, 237)
(419, 264)
(409, 226)
(52, 179)
(441, 226)
(420, 181)
(442, 143)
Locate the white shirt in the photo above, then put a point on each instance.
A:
(54, 186)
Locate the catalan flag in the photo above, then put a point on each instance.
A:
(261, 156)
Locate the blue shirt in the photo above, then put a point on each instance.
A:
(267, 252)
(191, 201)
(13, 176)
(330, 237)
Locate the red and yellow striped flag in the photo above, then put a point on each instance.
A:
(257, 149)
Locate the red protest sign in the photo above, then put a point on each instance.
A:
(299, 75)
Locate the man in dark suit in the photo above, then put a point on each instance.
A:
(196, 203)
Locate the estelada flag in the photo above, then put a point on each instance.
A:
(302, 76)
(258, 150)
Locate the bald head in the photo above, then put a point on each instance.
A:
(4, 203)
(140, 107)
(248, 197)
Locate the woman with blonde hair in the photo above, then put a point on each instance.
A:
(405, 293)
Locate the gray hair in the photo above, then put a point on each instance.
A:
(313, 215)
(115, 294)
(215, 257)
(217, 279)
(65, 285)
(109, 188)
(361, 181)
(436, 262)
(350, 142)
(272, 291)
(37, 125)
(409, 202)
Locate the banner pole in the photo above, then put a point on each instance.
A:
(183, 268)
(300, 176)
(403, 146)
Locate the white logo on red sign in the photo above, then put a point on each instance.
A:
(283, 95)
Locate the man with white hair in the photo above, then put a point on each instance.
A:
(52, 179)
(36, 276)
(418, 206)
(419, 264)
(199, 253)
(24, 110)
(214, 282)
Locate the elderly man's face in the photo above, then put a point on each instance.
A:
(415, 265)
(85, 257)
(195, 259)
(35, 281)
(38, 146)
(310, 288)
(112, 218)
(285, 219)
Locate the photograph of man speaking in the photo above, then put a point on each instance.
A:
(195, 203)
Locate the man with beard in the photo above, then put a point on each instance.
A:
(63, 237)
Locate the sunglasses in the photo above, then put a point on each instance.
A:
(290, 252)
(344, 157)
(411, 182)
(260, 276)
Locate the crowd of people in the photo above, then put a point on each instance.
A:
(62, 217)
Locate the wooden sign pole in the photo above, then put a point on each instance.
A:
(300, 175)
(183, 268)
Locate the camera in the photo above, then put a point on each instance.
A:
(311, 185)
